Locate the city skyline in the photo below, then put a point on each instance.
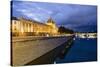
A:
(74, 16)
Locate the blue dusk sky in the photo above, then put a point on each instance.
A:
(81, 18)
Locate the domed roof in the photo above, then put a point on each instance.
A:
(50, 20)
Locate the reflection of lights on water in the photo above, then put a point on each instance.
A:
(54, 62)
(74, 38)
(87, 38)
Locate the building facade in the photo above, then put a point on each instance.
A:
(26, 27)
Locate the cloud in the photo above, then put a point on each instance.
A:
(70, 15)
(32, 10)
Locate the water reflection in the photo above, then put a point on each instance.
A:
(67, 48)
(81, 50)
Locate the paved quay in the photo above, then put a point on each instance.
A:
(27, 49)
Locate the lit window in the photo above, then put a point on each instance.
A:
(15, 22)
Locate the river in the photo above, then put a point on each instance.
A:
(82, 50)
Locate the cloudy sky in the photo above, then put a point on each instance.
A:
(82, 18)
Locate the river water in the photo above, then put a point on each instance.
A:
(82, 50)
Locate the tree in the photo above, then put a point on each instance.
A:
(62, 29)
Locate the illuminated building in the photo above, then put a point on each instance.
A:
(24, 27)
